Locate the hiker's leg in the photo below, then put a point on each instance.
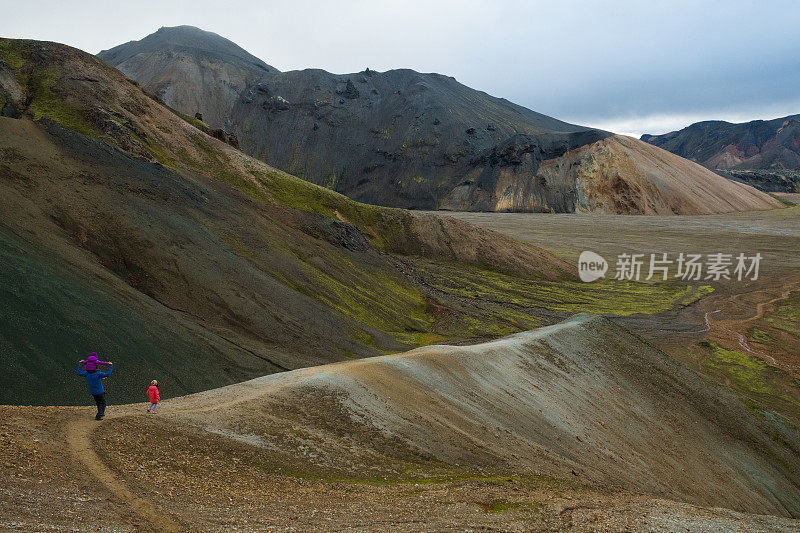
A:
(101, 405)
(98, 400)
(154, 407)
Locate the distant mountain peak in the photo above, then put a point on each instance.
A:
(216, 70)
(763, 153)
(183, 37)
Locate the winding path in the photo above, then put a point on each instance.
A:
(733, 326)
(78, 433)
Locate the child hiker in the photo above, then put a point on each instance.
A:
(152, 393)
(91, 363)
(95, 381)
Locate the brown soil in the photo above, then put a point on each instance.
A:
(147, 487)
(374, 444)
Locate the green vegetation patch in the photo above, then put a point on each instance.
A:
(291, 191)
(48, 104)
(197, 123)
(216, 164)
(754, 407)
(384, 307)
(238, 245)
(386, 228)
(12, 53)
(156, 150)
(787, 314)
(372, 298)
(746, 371)
(772, 387)
(759, 336)
(779, 329)
(504, 506)
(605, 296)
(41, 88)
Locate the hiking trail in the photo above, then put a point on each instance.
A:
(78, 434)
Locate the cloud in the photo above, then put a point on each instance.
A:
(658, 123)
(633, 65)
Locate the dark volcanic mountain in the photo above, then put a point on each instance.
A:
(168, 64)
(407, 139)
(764, 153)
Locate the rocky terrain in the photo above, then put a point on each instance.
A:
(167, 63)
(408, 139)
(579, 426)
(762, 153)
(615, 175)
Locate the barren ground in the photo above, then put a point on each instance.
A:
(440, 438)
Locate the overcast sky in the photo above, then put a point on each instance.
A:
(627, 66)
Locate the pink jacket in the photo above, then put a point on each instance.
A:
(152, 392)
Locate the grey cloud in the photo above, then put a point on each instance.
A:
(584, 61)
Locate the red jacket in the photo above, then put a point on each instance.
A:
(152, 392)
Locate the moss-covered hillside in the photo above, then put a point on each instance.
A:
(130, 232)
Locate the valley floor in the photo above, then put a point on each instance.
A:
(758, 319)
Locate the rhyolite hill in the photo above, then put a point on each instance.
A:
(763, 153)
(422, 141)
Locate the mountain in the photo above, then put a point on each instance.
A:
(550, 401)
(763, 153)
(168, 64)
(127, 231)
(407, 139)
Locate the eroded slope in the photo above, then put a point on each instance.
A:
(581, 398)
(201, 262)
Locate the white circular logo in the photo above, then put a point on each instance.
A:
(591, 266)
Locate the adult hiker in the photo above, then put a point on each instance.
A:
(95, 381)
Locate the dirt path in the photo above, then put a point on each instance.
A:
(78, 433)
(735, 329)
(763, 306)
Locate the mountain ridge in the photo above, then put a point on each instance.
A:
(577, 426)
(543, 401)
(763, 153)
(401, 138)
